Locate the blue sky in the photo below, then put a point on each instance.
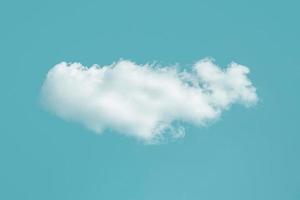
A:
(247, 154)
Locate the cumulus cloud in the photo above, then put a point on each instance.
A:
(147, 102)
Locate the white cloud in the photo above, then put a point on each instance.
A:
(145, 101)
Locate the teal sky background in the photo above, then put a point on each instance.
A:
(248, 154)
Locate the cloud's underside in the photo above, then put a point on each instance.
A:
(145, 101)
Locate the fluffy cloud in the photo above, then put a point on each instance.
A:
(145, 101)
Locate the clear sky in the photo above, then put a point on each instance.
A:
(247, 154)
